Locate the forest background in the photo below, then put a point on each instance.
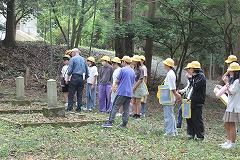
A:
(185, 30)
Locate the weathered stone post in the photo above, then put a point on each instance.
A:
(52, 93)
(53, 110)
(20, 89)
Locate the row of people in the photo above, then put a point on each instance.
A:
(123, 86)
(106, 76)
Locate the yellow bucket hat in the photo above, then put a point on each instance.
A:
(169, 62)
(66, 56)
(188, 66)
(126, 59)
(231, 59)
(92, 59)
(195, 64)
(116, 60)
(136, 58)
(105, 58)
(233, 67)
(142, 58)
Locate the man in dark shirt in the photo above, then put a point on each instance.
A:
(77, 67)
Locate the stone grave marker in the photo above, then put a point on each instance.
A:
(20, 89)
(52, 109)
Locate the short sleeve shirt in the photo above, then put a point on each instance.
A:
(92, 72)
(138, 74)
(64, 71)
(115, 73)
(170, 80)
(144, 68)
(126, 77)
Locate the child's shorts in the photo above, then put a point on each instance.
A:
(65, 88)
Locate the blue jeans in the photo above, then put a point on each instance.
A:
(75, 85)
(91, 96)
(169, 118)
(143, 111)
(179, 122)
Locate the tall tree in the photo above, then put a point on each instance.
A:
(127, 20)
(16, 11)
(118, 40)
(9, 40)
(149, 39)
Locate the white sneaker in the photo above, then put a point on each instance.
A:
(118, 114)
(66, 104)
(170, 134)
(225, 143)
(230, 145)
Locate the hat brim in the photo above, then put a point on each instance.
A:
(238, 69)
(227, 61)
(170, 65)
(136, 60)
(103, 59)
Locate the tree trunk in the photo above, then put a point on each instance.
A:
(58, 23)
(74, 28)
(149, 40)
(9, 40)
(126, 17)
(118, 47)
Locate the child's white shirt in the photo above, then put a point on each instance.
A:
(233, 98)
(92, 72)
(64, 71)
(170, 80)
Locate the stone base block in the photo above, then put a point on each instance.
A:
(21, 102)
(54, 112)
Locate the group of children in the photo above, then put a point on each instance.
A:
(195, 91)
(105, 77)
(122, 82)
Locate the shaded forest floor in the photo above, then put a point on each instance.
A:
(142, 140)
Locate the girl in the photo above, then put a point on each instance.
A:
(91, 84)
(116, 62)
(64, 71)
(137, 87)
(232, 113)
(105, 84)
(170, 80)
(144, 98)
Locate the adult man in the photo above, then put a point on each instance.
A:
(77, 67)
(125, 81)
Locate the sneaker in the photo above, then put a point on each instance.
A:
(78, 110)
(90, 110)
(66, 104)
(230, 146)
(179, 125)
(170, 134)
(225, 143)
(69, 110)
(107, 125)
(121, 126)
(190, 137)
(84, 109)
(199, 139)
(118, 114)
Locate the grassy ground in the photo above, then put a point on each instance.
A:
(142, 140)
